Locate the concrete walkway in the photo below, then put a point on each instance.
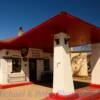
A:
(36, 92)
(87, 90)
(28, 92)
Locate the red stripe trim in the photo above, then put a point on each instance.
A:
(4, 86)
(95, 85)
(54, 96)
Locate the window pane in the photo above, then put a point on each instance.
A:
(57, 41)
(46, 65)
(16, 65)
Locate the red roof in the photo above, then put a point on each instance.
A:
(8, 39)
(41, 36)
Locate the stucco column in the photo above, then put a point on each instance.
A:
(95, 62)
(62, 75)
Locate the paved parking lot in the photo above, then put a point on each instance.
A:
(36, 92)
(28, 92)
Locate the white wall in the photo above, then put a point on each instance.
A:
(6, 65)
(11, 53)
(95, 61)
(4, 71)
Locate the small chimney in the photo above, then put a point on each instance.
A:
(20, 31)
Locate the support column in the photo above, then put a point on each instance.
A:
(62, 75)
(63, 88)
(95, 62)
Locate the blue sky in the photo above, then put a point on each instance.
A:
(29, 13)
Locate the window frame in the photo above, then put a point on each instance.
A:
(16, 65)
(46, 64)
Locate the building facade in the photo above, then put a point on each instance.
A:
(15, 68)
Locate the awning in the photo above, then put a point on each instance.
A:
(41, 36)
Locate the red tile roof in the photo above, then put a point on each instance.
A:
(41, 36)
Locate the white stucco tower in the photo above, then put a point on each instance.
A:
(62, 75)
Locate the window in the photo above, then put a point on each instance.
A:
(16, 65)
(46, 65)
(65, 40)
(57, 41)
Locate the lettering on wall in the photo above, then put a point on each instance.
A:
(36, 53)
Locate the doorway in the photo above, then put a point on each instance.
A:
(32, 70)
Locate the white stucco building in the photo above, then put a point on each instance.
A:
(46, 48)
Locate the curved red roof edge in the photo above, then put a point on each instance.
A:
(41, 36)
